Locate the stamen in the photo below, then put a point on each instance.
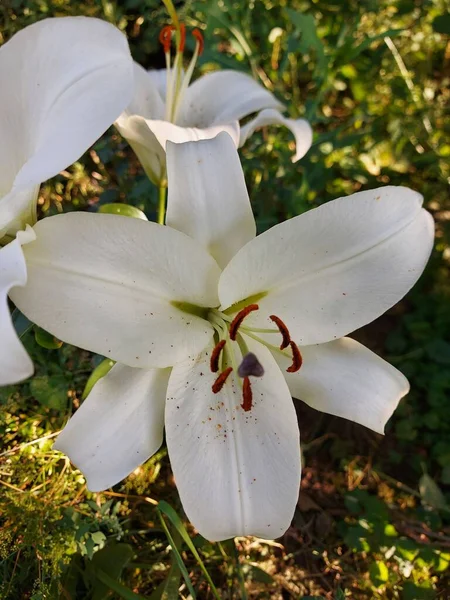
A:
(247, 395)
(215, 355)
(297, 359)
(250, 365)
(220, 381)
(188, 75)
(165, 37)
(283, 330)
(200, 41)
(182, 38)
(236, 322)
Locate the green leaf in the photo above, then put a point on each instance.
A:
(309, 40)
(21, 324)
(168, 589)
(431, 493)
(379, 573)
(46, 339)
(117, 587)
(411, 591)
(98, 537)
(407, 549)
(439, 351)
(258, 574)
(103, 369)
(441, 24)
(50, 391)
(355, 51)
(125, 210)
(445, 475)
(111, 561)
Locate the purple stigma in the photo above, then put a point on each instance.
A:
(250, 365)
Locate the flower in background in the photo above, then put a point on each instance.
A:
(67, 80)
(216, 329)
(166, 106)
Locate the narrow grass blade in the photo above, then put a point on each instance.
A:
(178, 524)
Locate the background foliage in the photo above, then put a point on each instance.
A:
(373, 518)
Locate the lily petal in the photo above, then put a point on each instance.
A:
(300, 128)
(17, 209)
(68, 79)
(334, 268)
(159, 80)
(346, 379)
(208, 199)
(151, 154)
(15, 364)
(147, 103)
(222, 97)
(165, 131)
(148, 138)
(147, 100)
(118, 427)
(238, 473)
(107, 283)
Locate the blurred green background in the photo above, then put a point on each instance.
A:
(373, 519)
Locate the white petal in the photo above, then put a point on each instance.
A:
(145, 144)
(168, 132)
(15, 364)
(238, 473)
(68, 80)
(106, 283)
(208, 199)
(17, 209)
(346, 379)
(222, 97)
(159, 80)
(334, 268)
(299, 127)
(147, 101)
(148, 138)
(118, 427)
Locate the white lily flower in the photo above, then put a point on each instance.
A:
(167, 107)
(221, 306)
(67, 80)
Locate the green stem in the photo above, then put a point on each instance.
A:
(173, 15)
(172, 12)
(162, 205)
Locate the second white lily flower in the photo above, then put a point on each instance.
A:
(199, 296)
(167, 107)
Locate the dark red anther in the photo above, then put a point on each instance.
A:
(220, 381)
(200, 41)
(297, 359)
(247, 395)
(182, 37)
(165, 37)
(236, 322)
(215, 355)
(283, 330)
